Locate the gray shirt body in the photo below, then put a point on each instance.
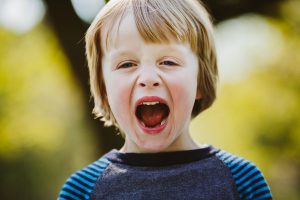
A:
(203, 179)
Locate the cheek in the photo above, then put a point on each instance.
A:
(183, 92)
(118, 92)
(183, 98)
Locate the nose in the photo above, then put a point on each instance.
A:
(149, 78)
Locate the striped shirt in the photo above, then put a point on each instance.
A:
(206, 173)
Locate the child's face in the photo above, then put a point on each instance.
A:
(139, 74)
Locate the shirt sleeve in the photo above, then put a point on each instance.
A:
(80, 185)
(249, 180)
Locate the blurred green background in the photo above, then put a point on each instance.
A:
(47, 131)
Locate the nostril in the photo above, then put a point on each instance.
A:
(154, 84)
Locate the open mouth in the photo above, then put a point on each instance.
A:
(152, 114)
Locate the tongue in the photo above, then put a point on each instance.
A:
(152, 115)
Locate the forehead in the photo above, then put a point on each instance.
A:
(151, 27)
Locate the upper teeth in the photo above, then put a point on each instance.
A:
(150, 103)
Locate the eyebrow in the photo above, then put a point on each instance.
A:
(120, 53)
(171, 49)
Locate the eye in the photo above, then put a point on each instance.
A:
(168, 63)
(125, 65)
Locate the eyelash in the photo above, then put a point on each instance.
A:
(168, 63)
(123, 65)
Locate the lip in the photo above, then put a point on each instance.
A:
(153, 131)
(149, 99)
(156, 130)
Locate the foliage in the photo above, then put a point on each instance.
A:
(43, 135)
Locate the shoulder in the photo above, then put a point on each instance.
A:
(80, 184)
(248, 179)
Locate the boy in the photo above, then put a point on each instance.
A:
(152, 69)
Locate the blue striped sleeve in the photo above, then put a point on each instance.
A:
(81, 184)
(250, 182)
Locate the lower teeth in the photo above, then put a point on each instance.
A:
(161, 123)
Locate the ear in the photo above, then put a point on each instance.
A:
(198, 94)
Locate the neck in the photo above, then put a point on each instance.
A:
(182, 143)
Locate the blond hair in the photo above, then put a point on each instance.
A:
(158, 21)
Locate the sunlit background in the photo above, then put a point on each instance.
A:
(45, 134)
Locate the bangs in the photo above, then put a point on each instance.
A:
(157, 22)
(165, 21)
(111, 20)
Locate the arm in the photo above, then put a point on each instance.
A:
(249, 180)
